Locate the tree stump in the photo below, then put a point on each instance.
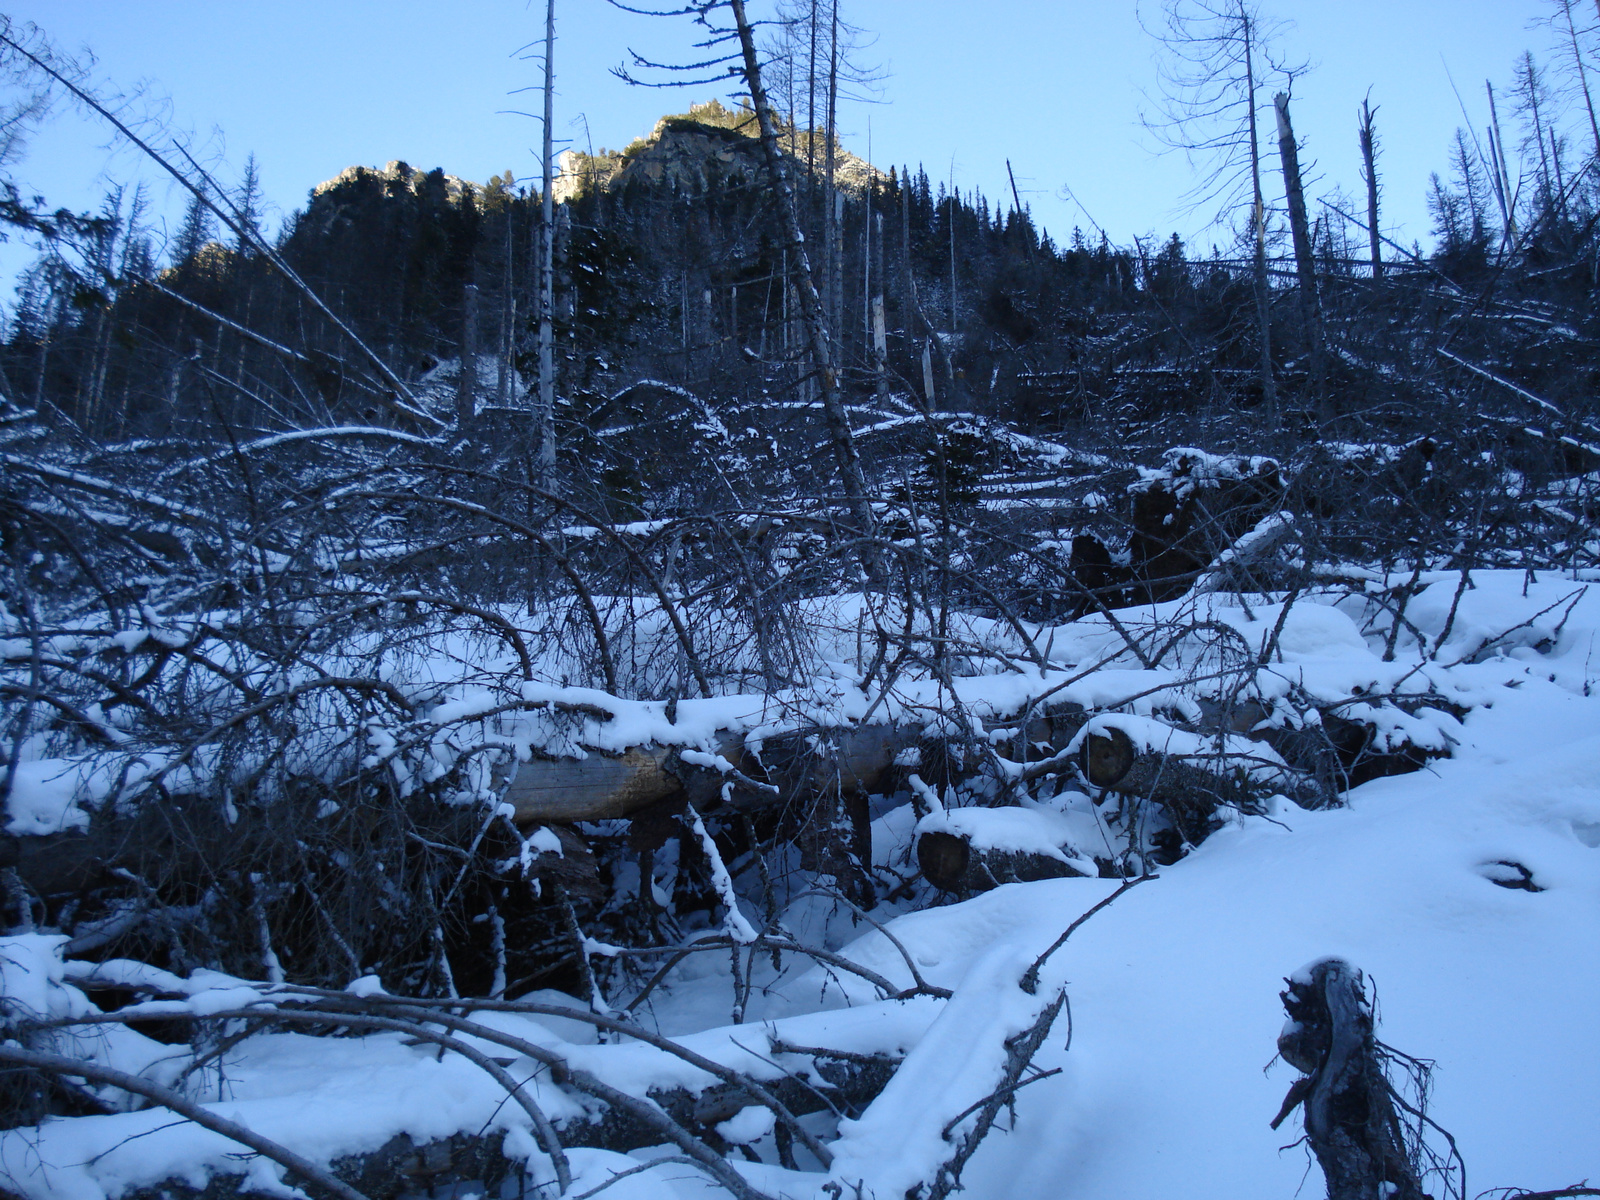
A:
(1350, 1119)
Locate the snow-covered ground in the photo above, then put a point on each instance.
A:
(1166, 1089)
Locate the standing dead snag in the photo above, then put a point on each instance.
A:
(1350, 1117)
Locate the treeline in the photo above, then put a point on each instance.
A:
(669, 271)
(654, 281)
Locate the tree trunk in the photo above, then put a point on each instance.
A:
(1500, 170)
(908, 283)
(467, 379)
(952, 864)
(1583, 77)
(1269, 391)
(508, 317)
(880, 331)
(1194, 775)
(546, 411)
(833, 200)
(1304, 264)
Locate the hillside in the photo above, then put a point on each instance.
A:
(807, 687)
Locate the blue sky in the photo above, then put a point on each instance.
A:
(1057, 87)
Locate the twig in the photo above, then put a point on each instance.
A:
(1030, 977)
(1010, 1089)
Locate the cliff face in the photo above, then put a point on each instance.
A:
(693, 152)
(689, 153)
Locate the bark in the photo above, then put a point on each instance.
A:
(596, 788)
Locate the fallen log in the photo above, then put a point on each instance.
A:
(571, 868)
(952, 864)
(850, 761)
(849, 1083)
(1357, 742)
(854, 760)
(596, 788)
(968, 850)
(1191, 774)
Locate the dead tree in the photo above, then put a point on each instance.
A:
(545, 410)
(1218, 56)
(812, 314)
(1369, 155)
(1299, 226)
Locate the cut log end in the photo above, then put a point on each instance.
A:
(1107, 757)
(952, 864)
(943, 858)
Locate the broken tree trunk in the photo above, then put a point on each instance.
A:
(1299, 224)
(597, 788)
(1369, 155)
(1350, 1118)
(973, 849)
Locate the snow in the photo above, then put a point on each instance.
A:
(1173, 988)
(1165, 1095)
(747, 1125)
(1023, 830)
(44, 798)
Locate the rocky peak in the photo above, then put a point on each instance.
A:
(397, 173)
(707, 146)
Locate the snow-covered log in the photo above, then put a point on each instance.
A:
(599, 786)
(968, 850)
(846, 1084)
(1190, 773)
